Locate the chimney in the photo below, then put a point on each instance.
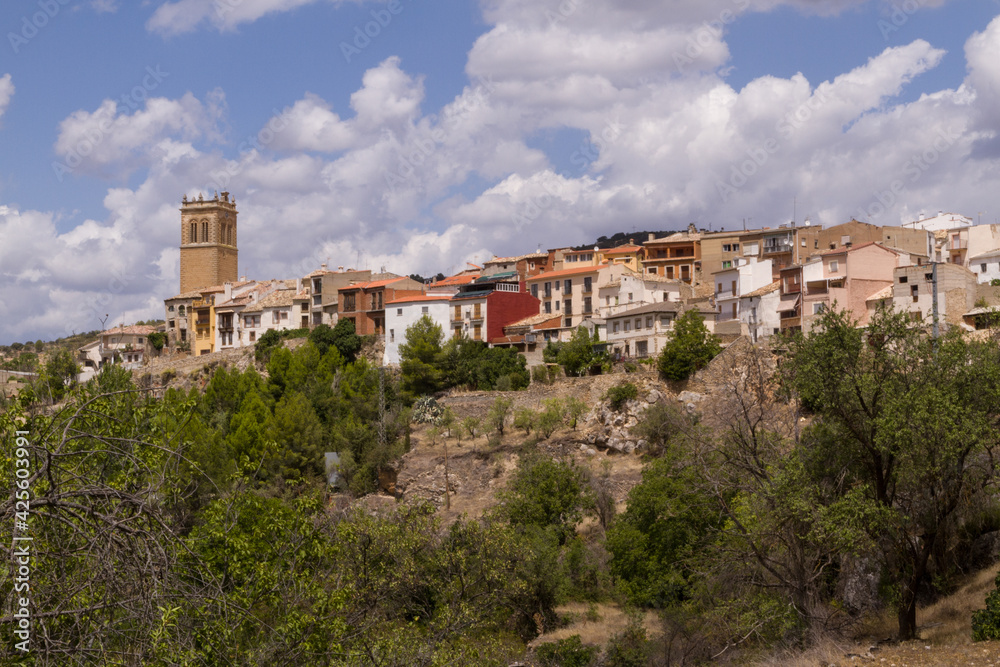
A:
(298, 285)
(228, 287)
(652, 237)
(340, 269)
(323, 266)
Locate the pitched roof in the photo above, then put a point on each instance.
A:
(454, 280)
(194, 294)
(659, 307)
(884, 293)
(773, 287)
(533, 320)
(372, 284)
(548, 275)
(676, 237)
(507, 260)
(987, 255)
(279, 299)
(622, 250)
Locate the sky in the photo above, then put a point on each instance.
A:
(418, 136)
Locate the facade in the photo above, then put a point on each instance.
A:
(816, 239)
(940, 222)
(402, 313)
(641, 332)
(204, 321)
(128, 346)
(524, 266)
(209, 254)
(630, 256)
(732, 284)
(364, 303)
(632, 290)
(759, 312)
(179, 318)
(572, 294)
(677, 256)
(986, 266)
(324, 287)
(481, 309)
(847, 277)
(913, 292)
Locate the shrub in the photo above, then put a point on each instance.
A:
(621, 394)
(628, 648)
(569, 652)
(497, 416)
(630, 367)
(471, 425)
(986, 622)
(524, 418)
(540, 374)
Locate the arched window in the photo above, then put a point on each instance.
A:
(204, 232)
(229, 234)
(194, 232)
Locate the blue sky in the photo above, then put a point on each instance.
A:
(463, 129)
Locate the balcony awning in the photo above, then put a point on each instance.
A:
(789, 301)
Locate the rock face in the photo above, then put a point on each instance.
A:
(611, 429)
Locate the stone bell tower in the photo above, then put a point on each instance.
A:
(208, 242)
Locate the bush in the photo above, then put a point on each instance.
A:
(630, 367)
(569, 652)
(986, 622)
(621, 394)
(524, 418)
(540, 374)
(628, 648)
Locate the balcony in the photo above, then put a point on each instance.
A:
(776, 248)
(959, 244)
(791, 322)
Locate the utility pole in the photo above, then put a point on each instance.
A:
(934, 301)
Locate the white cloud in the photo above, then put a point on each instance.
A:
(6, 92)
(180, 16)
(109, 139)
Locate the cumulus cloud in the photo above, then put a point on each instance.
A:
(109, 139)
(661, 139)
(6, 92)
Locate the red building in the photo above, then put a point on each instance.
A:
(484, 307)
(364, 303)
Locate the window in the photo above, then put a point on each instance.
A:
(928, 276)
(557, 305)
(587, 307)
(477, 332)
(180, 310)
(399, 311)
(982, 267)
(638, 324)
(630, 297)
(568, 286)
(458, 313)
(568, 307)
(816, 244)
(588, 283)
(204, 232)
(718, 288)
(818, 308)
(670, 272)
(834, 266)
(170, 308)
(628, 325)
(651, 270)
(902, 280)
(253, 336)
(614, 327)
(568, 322)
(642, 349)
(649, 321)
(534, 290)
(423, 309)
(548, 307)
(727, 264)
(139, 341)
(914, 291)
(392, 335)
(734, 288)
(170, 324)
(547, 290)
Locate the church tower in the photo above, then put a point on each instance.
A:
(208, 242)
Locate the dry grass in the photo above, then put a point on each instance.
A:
(949, 621)
(609, 620)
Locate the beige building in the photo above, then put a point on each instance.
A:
(677, 256)
(572, 294)
(209, 255)
(913, 292)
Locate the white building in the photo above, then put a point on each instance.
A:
(641, 332)
(749, 275)
(986, 266)
(759, 311)
(400, 314)
(940, 222)
(633, 290)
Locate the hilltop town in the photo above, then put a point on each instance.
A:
(941, 269)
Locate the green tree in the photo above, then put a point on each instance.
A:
(914, 420)
(548, 494)
(689, 349)
(420, 356)
(58, 375)
(299, 438)
(346, 339)
(525, 418)
(577, 356)
(322, 337)
(498, 413)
